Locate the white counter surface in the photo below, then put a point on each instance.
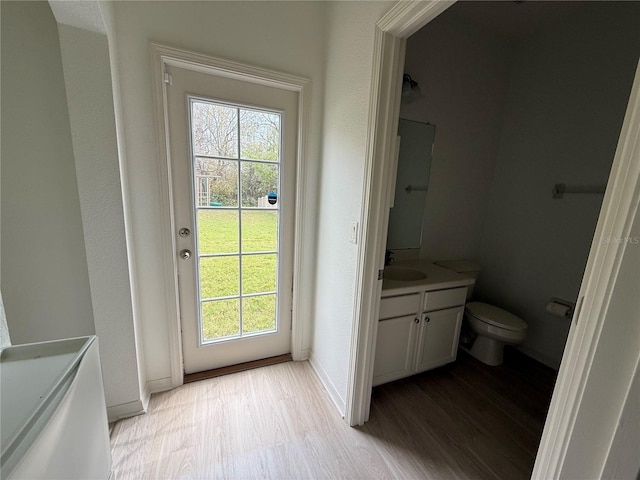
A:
(53, 411)
(438, 278)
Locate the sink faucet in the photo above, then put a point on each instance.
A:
(388, 258)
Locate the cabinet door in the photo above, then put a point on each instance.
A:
(395, 349)
(438, 338)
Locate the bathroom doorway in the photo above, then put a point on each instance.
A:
(391, 72)
(524, 112)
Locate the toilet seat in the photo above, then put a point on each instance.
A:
(495, 316)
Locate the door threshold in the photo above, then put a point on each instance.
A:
(240, 367)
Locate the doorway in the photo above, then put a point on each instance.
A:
(233, 184)
(394, 28)
(234, 165)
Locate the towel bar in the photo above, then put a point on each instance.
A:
(559, 189)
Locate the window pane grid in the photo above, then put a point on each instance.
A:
(247, 254)
(236, 159)
(235, 297)
(215, 299)
(244, 178)
(236, 209)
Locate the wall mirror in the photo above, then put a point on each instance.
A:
(412, 182)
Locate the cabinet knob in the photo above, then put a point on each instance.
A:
(417, 320)
(427, 319)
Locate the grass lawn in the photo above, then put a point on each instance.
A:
(220, 276)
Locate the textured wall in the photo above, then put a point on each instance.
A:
(85, 58)
(45, 282)
(349, 47)
(568, 92)
(463, 74)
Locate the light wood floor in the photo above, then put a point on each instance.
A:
(465, 420)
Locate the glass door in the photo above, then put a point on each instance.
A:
(232, 151)
(236, 168)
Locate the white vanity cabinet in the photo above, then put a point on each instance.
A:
(417, 332)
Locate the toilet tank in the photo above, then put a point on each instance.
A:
(468, 268)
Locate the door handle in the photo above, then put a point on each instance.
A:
(185, 254)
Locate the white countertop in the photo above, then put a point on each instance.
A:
(438, 278)
(32, 377)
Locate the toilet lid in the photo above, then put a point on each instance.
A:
(495, 316)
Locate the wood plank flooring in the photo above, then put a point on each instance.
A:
(465, 420)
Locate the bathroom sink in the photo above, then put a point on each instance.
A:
(404, 274)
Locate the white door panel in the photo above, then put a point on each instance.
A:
(232, 154)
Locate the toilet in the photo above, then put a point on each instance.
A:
(494, 327)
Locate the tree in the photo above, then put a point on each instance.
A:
(215, 130)
(216, 134)
(258, 179)
(260, 135)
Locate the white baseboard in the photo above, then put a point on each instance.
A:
(138, 407)
(328, 385)
(301, 355)
(159, 385)
(125, 410)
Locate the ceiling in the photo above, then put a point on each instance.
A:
(515, 20)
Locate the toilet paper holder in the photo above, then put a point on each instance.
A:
(561, 308)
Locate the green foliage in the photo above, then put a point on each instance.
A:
(234, 135)
(259, 135)
(258, 179)
(219, 276)
(215, 134)
(259, 314)
(221, 318)
(218, 231)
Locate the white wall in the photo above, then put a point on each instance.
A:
(45, 281)
(349, 55)
(285, 36)
(568, 93)
(463, 74)
(85, 58)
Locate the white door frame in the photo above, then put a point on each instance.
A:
(404, 19)
(618, 209)
(160, 56)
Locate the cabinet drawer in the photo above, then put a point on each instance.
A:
(440, 299)
(398, 306)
